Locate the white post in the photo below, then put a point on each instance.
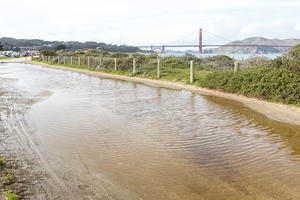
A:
(78, 60)
(158, 68)
(192, 76)
(88, 62)
(236, 66)
(115, 64)
(100, 60)
(64, 60)
(71, 60)
(133, 70)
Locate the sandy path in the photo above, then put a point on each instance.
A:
(275, 111)
(16, 60)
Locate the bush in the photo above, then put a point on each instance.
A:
(289, 61)
(2, 162)
(280, 85)
(119, 55)
(47, 52)
(175, 62)
(11, 196)
(9, 177)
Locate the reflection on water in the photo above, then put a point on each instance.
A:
(159, 143)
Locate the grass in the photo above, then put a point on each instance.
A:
(9, 177)
(2, 162)
(11, 196)
(5, 58)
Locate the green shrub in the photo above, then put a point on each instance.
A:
(174, 62)
(11, 196)
(9, 177)
(291, 60)
(2, 162)
(48, 52)
(280, 85)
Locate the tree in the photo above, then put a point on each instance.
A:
(60, 47)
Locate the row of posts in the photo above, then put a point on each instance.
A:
(192, 69)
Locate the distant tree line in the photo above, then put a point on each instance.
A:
(17, 44)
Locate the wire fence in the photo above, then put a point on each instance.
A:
(170, 68)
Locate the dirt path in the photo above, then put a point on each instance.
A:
(275, 111)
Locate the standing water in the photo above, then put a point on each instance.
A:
(132, 141)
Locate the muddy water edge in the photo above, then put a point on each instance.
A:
(82, 137)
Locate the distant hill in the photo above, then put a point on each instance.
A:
(255, 50)
(36, 44)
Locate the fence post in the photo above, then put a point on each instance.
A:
(100, 60)
(58, 60)
(64, 60)
(88, 62)
(133, 64)
(192, 71)
(158, 68)
(71, 60)
(236, 66)
(115, 64)
(79, 61)
(48, 58)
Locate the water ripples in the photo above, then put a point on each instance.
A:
(160, 138)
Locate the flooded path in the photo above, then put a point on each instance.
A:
(113, 139)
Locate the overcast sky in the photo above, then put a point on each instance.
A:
(137, 22)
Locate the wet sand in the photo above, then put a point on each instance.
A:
(26, 173)
(274, 111)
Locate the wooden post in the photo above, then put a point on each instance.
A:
(100, 60)
(71, 60)
(192, 71)
(158, 68)
(133, 64)
(79, 61)
(88, 62)
(58, 60)
(48, 58)
(236, 66)
(64, 60)
(115, 64)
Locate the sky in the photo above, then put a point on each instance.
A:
(156, 22)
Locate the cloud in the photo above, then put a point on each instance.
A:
(148, 22)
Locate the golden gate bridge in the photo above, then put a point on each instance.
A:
(200, 44)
